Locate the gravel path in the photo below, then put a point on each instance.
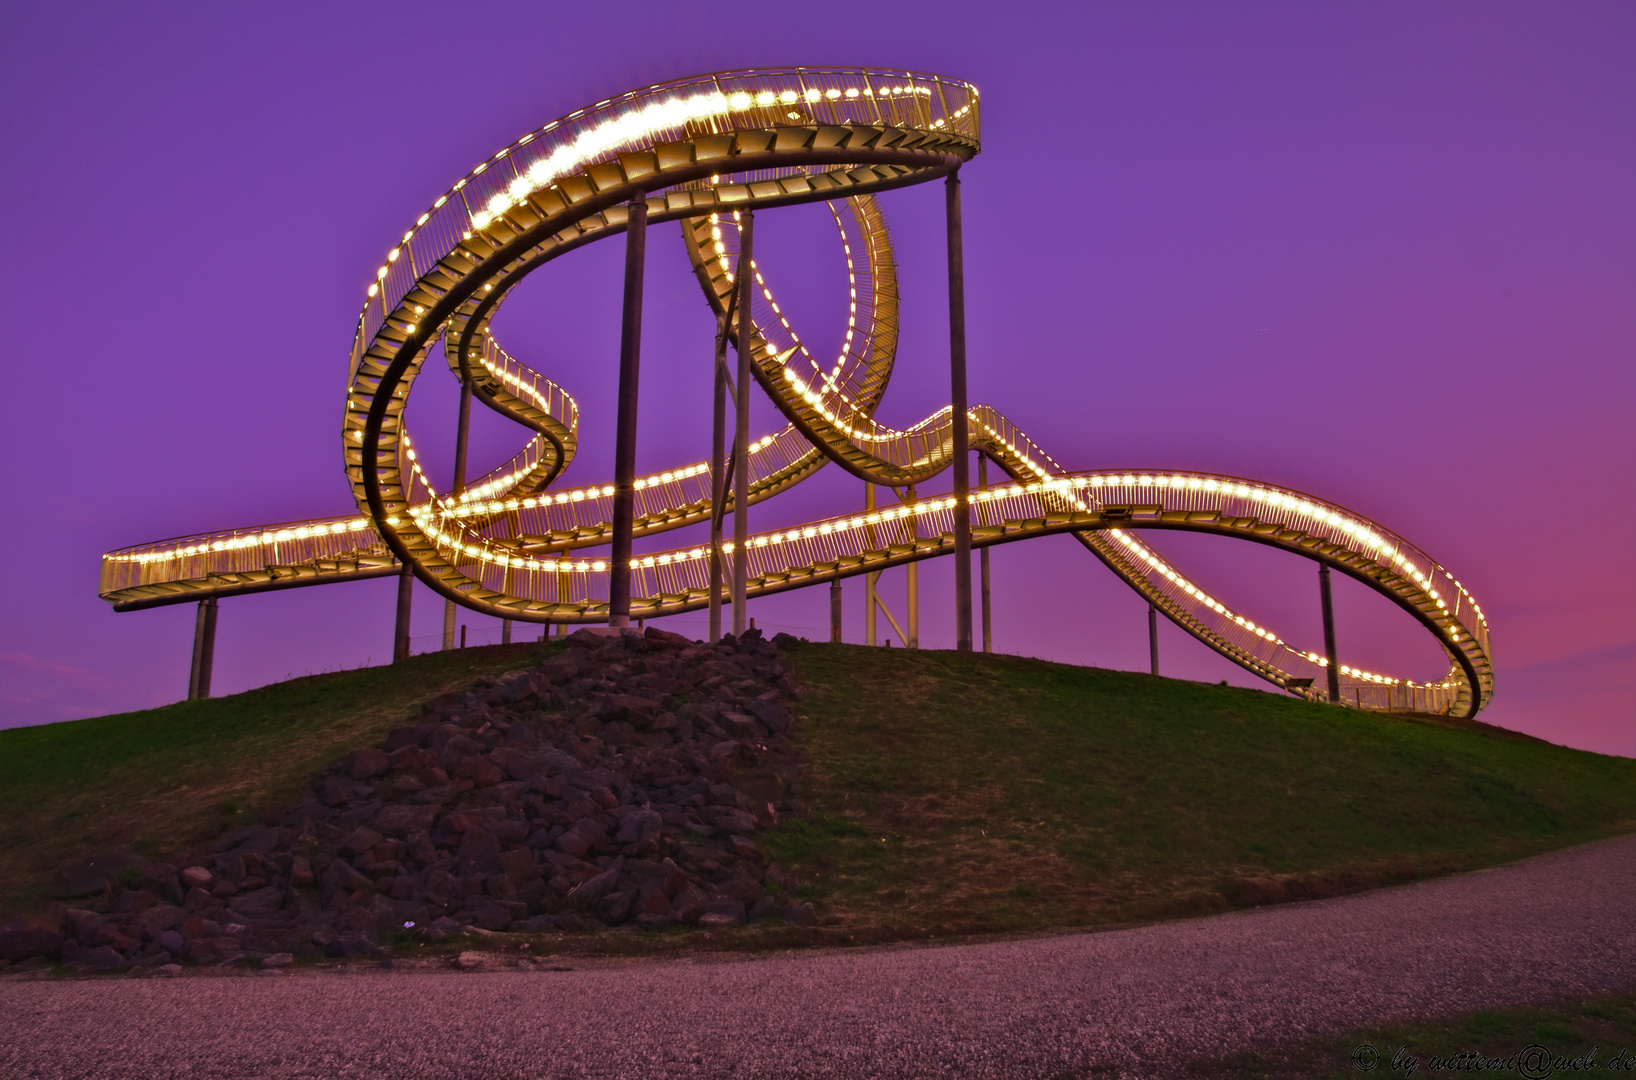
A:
(1134, 1002)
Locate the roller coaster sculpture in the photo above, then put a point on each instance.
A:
(708, 152)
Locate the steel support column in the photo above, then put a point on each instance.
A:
(462, 429)
(204, 650)
(400, 632)
(741, 428)
(957, 388)
(1334, 668)
(912, 620)
(630, 355)
(1153, 637)
(871, 581)
(718, 473)
(835, 612)
(982, 560)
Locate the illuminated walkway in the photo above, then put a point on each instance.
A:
(708, 152)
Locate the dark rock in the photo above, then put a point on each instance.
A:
(102, 958)
(773, 715)
(786, 643)
(801, 915)
(349, 946)
(172, 941)
(132, 902)
(95, 874)
(539, 924)
(729, 820)
(366, 762)
(159, 918)
(519, 865)
(665, 638)
(509, 830)
(250, 840)
(400, 820)
(269, 898)
(594, 889)
(615, 908)
(79, 923)
(581, 837)
(480, 846)
(639, 827)
(360, 840)
(340, 874)
(30, 935)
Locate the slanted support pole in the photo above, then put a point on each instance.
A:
(741, 427)
(1334, 668)
(400, 632)
(835, 612)
(204, 650)
(982, 559)
(462, 429)
(630, 355)
(871, 581)
(957, 388)
(1153, 636)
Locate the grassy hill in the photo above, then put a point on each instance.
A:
(994, 792)
(948, 793)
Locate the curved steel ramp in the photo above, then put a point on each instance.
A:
(699, 151)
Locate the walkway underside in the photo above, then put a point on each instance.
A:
(700, 152)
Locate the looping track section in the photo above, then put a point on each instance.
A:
(701, 151)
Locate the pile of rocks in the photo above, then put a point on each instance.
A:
(618, 784)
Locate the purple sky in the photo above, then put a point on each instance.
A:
(1385, 254)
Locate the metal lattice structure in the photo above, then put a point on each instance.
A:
(709, 152)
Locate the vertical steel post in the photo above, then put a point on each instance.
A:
(400, 633)
(835, 612)
(912, 623)
(982, 560)
(462, 429)
(1334, 668)
(957, 387)
(630, 355)
(505, 631)
(741, 429)
(204, 650)
(871, 581)
(718, 477)
(1153, 636)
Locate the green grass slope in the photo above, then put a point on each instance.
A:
(948, 793)
(168, 779)
(993, 792)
